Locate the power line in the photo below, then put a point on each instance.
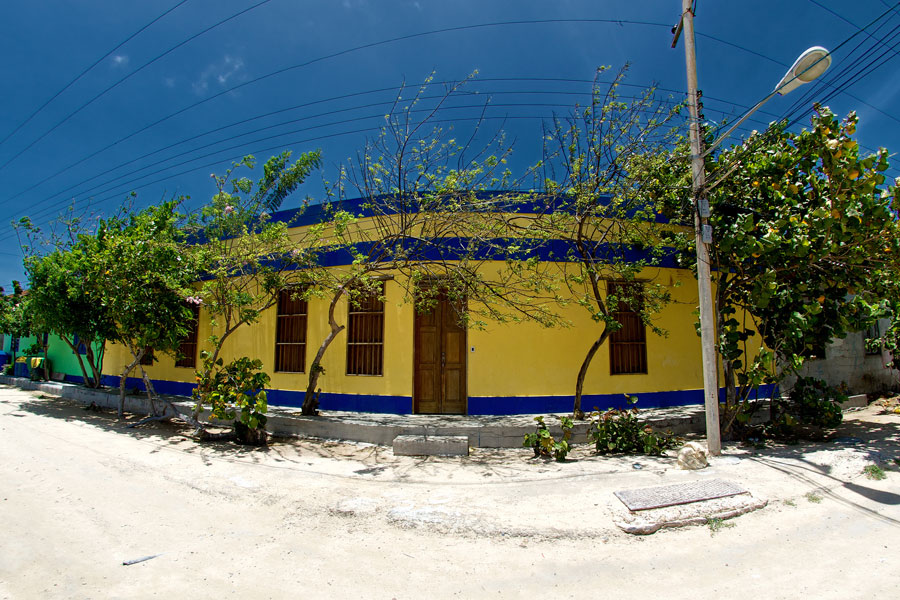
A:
(86, 70)
(306, 64)
(305, 118)
(844, 19)
(282, 134)
(123, 79)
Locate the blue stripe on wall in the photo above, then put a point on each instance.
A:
(478, 405)
(513, 405)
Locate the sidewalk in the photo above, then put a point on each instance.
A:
(506, 431)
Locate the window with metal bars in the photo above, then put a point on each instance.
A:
(628, 345)
(187, 351)
(290, 333)
(365, 332)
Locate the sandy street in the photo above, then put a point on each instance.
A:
(80, 495)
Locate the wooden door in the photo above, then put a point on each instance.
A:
(439, 361)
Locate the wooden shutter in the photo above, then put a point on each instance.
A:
(187, 351)
(365, 333)
(290, 333)
(628, 345)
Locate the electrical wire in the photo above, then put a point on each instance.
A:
(86, 70)
(318, 59)
(291, 121)
(126, 77)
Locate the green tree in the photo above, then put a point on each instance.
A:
(427, 223)
(806, 243)
(594, 207)
(63, 290)
(143, 272)
(246, 258)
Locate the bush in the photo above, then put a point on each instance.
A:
(544, 444)
(620, 431)
(236, 392)
(813, 402)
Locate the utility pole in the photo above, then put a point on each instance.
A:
(702, 234)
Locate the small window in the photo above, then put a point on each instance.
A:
(365, 332)
(628, 345)
(147, 358)
(290, 333)
(187, 351)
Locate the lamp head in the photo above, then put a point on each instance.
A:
(809, 65)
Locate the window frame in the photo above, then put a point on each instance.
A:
(637, 337)
(356, 350)
(281, 317)
(192, 340)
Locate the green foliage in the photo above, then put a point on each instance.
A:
(233, 392)
(35, 348)
(813, 497)
(245, 256)
(592, 204)
(621, 432)
(889, 338)
(716, 525)
(144, 271)
(806, 242)
(874, 472)
(66, 288)
(544, 444)
(814, 402)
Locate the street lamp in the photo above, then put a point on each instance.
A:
(806, 68)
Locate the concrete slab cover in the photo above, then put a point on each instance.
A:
(678, 493)
(440, 445)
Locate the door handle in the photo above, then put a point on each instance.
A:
(443, 359)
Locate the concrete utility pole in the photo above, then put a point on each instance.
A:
(702, 235)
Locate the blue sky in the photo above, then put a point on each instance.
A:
(742, 53)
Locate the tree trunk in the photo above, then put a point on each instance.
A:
(311, 399)
(582, 372)
(124, 378)
(151, 393)
(96, 363)
(84, 374)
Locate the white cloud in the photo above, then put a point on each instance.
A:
(169, 82)
(219, 72)
(120, 60)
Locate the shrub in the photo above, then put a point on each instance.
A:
(236, 392)
(814, 402)
(620, 431)
(544, 444)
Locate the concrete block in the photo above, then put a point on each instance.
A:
(858, 401)
(420, 445)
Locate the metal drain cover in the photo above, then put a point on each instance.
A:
(678, 493)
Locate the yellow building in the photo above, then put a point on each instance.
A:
(391, 359)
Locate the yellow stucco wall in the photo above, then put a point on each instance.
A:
(512, 359)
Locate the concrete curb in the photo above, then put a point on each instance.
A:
(482, 432)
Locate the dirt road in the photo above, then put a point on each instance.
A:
(80, 495)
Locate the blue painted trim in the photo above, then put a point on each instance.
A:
(516, 405)
(478, 405)
(522, 202)
(395, 405)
